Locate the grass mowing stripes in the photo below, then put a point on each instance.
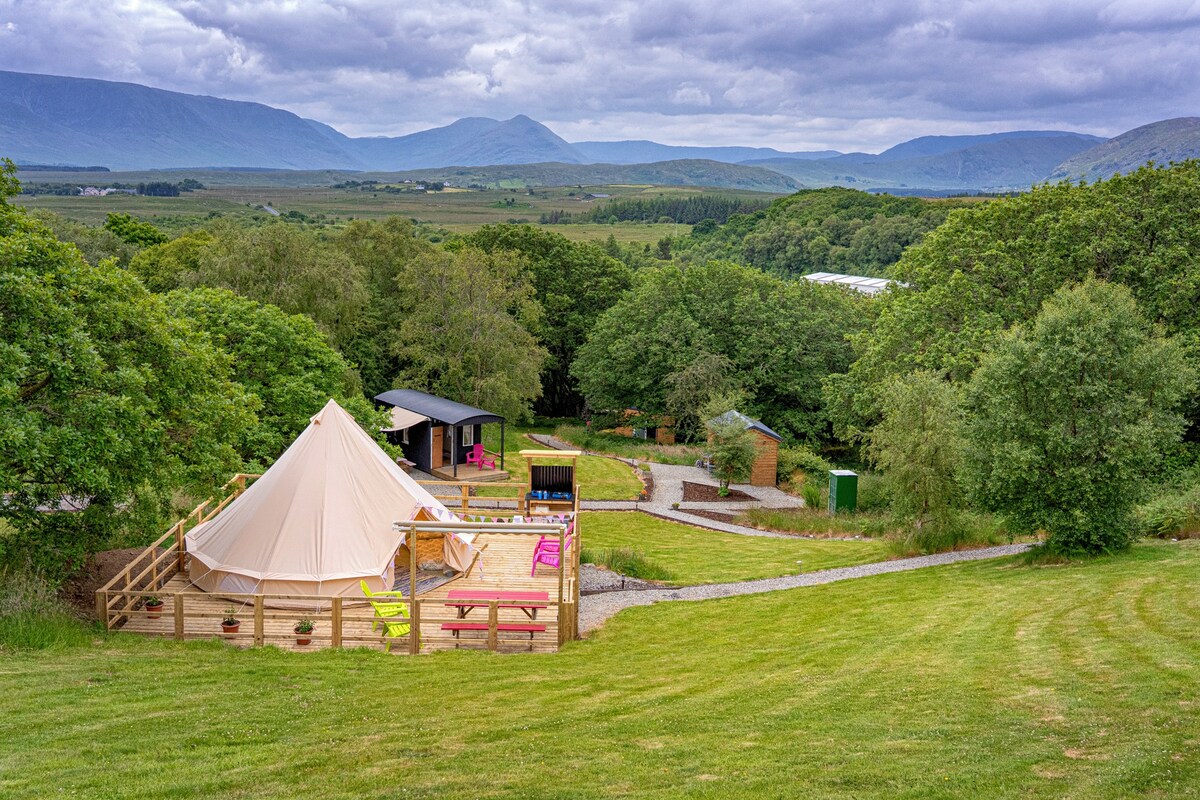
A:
(976, 680)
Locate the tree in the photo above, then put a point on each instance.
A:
(781, 338)
(96, 244)
(575, 282)
(282, 361)
(381, 250)
(134, 231)
(992, 265)
(731, 444)
(1068, 414)
(690, 388)
(918, 446)
(172, 264)
(464, 333)
(290, 268)
(108, 403)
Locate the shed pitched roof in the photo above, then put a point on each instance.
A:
(751, 424)
(436, 408)
(859, 283)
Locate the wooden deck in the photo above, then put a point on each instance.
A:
(470, 473)
(504, 565)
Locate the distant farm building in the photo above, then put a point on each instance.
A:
(767, 441)
(859, 283)
(662, 433)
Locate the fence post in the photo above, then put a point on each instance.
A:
(335, 622)
(414, 628)
(178, 617)
(258, 619)
(181, 555)
(102, 608)
(466, 492)
(492, 621)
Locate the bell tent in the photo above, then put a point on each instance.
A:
(318, 521)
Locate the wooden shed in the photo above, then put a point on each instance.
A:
(767, 441)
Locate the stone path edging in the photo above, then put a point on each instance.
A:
(596, 609)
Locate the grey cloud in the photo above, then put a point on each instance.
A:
(816, 73)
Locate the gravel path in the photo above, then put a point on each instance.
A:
(595, 609)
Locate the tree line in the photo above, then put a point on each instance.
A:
(683, 210)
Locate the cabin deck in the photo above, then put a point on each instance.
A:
(504, 565)
(470, 473)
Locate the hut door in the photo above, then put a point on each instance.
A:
(435, 446)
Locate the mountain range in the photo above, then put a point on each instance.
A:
(47, 119)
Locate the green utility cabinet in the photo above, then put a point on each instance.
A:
(843, 490)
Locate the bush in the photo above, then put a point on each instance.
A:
(628, 562)
(874, 493)
(799, 458)
(1174, 515)
(965, 531)
(33, 618)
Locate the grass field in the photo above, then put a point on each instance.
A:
(980, 680)
(599, 478)
(696, 555)
(455, 211)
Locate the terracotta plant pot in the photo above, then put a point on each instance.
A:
(153, 612)
(231, 628)
(302, 638)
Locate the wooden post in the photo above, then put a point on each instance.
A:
(414, 628)
(466, 492)
(178, 617)
(335, 622)
(492, 622)
(258, 619)
(102, 608)
(181, 555)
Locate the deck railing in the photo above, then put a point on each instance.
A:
(339, 621)
(116, 599)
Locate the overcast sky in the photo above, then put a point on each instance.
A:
(845, 74)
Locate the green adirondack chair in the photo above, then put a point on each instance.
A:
(387, 614)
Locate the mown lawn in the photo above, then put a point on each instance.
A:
(984, 680)
(599, 478)
(696, 555)
(976, 680)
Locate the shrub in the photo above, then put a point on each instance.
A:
(1172, 515)
(874, 492)
(33, 618)
(800, 458)
(628, 562)
(966, 531)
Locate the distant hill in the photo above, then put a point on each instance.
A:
(992, 163)
(642, 151)
(684, 172)
(51, 120)
(57, 120)
(1160, 142)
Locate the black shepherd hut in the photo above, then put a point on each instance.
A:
(439, 436)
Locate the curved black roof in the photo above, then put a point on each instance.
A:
(437, 408)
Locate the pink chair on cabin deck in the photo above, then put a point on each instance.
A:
(546, 551)
(480, 459)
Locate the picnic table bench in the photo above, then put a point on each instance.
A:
(467, 599)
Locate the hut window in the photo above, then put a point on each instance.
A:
(404, 436)
(468, 435)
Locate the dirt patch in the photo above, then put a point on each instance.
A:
(703, 493)
(80, 590)
(717, 516)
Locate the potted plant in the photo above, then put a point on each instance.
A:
(153, 606)
(230, 623)
(303, 631)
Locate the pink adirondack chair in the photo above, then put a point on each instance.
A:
(480, 459)
(546, 551)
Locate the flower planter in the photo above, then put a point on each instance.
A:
(231, 628)
(153, 612)
(302, 638)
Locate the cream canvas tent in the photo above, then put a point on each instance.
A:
(319, 521)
